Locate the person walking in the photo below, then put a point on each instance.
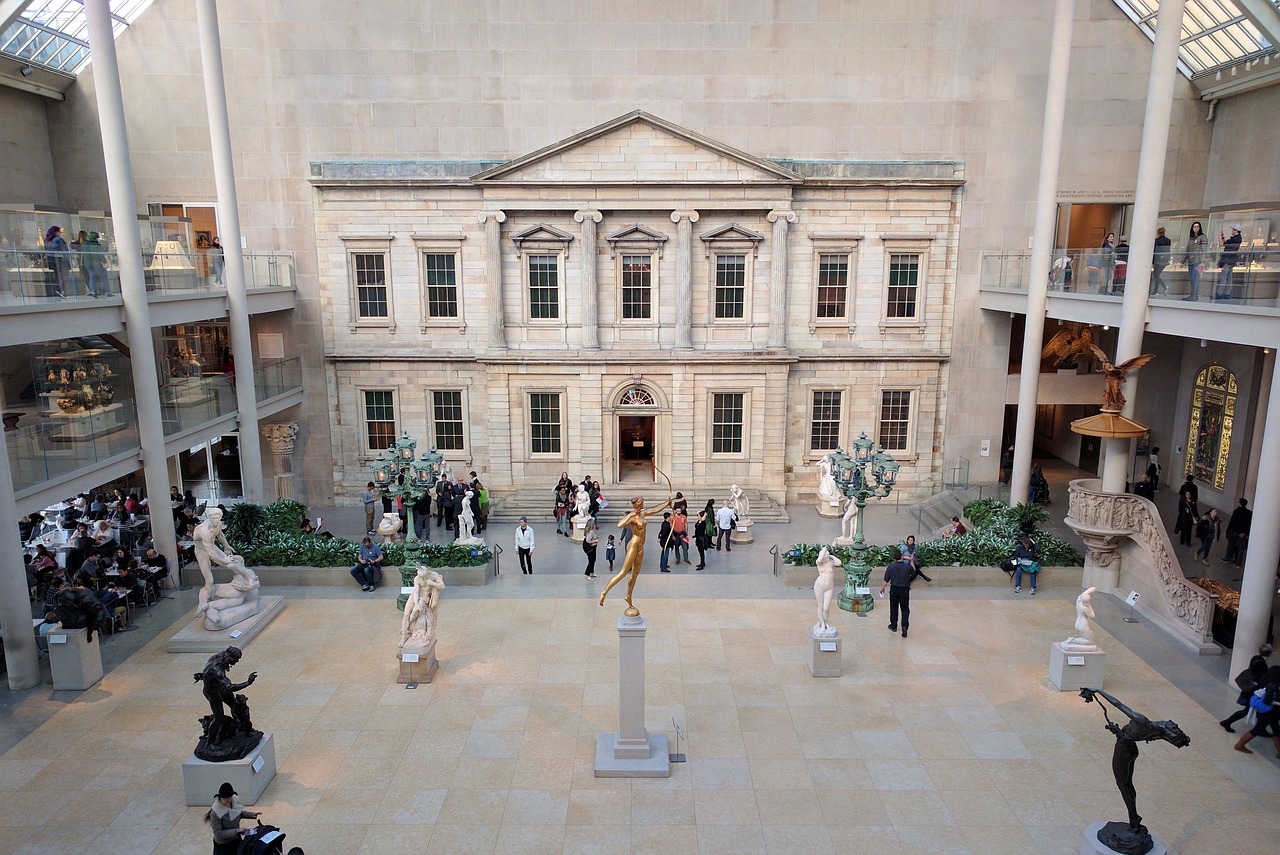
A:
(224, 818)
(725, 520)
(1227, 261)
(1153, 468)
(1265, 701)
(610, 552)
(524, 546)
(898, 577)
(1248, 681)
(1208, 530)
(1197, 246)
(1188, 516)
(1161, 253)
(590, 542)
(369, 499)
(58, 257)
(664, 543)
(702, 537)
(680, 535)
(1238, 533)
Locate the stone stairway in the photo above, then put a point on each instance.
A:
(538, 505)
(935, 512)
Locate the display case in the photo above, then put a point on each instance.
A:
(192, 350)
(1256, 276)
(24, 269)
(84, 390)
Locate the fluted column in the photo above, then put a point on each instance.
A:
(493, 221)
(684, 221)
(280, 439)
(778, 279)
(590, 293)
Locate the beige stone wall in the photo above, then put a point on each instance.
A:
(443, 80)
(1243, 166)
(27, 168)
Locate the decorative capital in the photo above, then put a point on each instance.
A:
(280, 437)
(500, 216)
(774, 216)
(677, 216)
(593, 216)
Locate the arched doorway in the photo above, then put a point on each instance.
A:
(637, 414)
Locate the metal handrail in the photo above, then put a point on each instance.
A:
(497, 560)
(775, 552)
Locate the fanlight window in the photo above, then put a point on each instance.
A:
(637, 397)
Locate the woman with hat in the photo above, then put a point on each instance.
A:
(224, 817)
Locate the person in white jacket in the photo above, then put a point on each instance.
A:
(524, 546)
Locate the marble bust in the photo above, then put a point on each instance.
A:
(1083, 641)
(823, 590)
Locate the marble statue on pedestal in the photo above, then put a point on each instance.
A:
(823, 590)
(467, 523)
(222, 606)
(582, 506)
(389, 525)
(418, 627)
(828, 491)
(637, 522)
(225, 737)
(79, 608)
(848, 523)
(741, 505)
(1082, 641)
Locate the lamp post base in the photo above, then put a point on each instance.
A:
(859, 604)
(856, 596)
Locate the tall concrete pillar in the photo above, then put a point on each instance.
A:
(133, 288)
(1259, 583)
(590, 290)
(20, 657)
(493, 221)
(1146, 207)
(778, 279)
(1055, 105)
(1267, 366)
(684, 221)
(224, 177)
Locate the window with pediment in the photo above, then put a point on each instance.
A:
(543, 250)
(637, 251)
(731, 250)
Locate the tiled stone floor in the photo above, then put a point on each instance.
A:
(949, 741)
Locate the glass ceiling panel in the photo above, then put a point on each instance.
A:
(53, 34)
(1215, 33)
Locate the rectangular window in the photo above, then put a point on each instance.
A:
(544, 287)
(442, 285)
(824, 431)
(446, 412)
(726, 423)
(833, 287)
(370, 270)
(904, 281)
(637, 287)
(731, 286)
(895, 419)
(544, 423)
(380, 419)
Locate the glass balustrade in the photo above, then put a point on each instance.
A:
(272, 379)
(188, 402)
(65, 442)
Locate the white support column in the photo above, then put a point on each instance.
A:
(224, 176)
(133, 288)
(590, 293)
(778, 279)
(1267, 370)
(1055, 105)
(1146, 207)
(493, 221)
(20, 657)
(1259, 583)
(684, 221)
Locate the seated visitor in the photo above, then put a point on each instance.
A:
(369, 565)
(51, 592)
(30, 526)
(131, 504)
(90, 571)
(128, 581)
(44, 565)
(97, 508)
(187, 545)
(306, 527)
(955, 528)
(155, 570)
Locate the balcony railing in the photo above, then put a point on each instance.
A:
(27, 277)
(273, 379)
(189, 402)
(67, 442)
(1253, 283)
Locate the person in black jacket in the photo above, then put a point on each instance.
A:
(1238, 533)
(898, 576)
(1163, 251)
(422, 516)
(665, 542)
(1248, 683)
(1268, 709)
(1188, 516)
(1145, 488)
(1227, 261)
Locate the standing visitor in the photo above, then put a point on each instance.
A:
(702, 537)
(725, 520)
(664, 542)
(1227, 261)
(1197, 246)
(368, 498)
(224, 817)
(422, 516)
(1159, 261)
(680, 535)
(563, 526)
(1188, 516)
(610, 552)
(524, 546)
(590, 541)
(1153, 468)
(1208, 530)
(898, 577)
(58, 256)
(1238, 533)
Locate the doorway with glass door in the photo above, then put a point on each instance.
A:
(211, 470)
(636, 449)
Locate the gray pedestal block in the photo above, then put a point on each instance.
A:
(422, 665)
(194, 638)
(632, 751)
(825, 662)
(76, 664)
(1071, 670)
(1090, 845)
(201, 779)
(742, 534)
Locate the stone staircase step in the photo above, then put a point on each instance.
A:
(538, 506)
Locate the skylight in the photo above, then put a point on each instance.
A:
(53, 34)
(1216, 34)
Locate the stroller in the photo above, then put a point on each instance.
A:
(1038, 493)
(262, 840)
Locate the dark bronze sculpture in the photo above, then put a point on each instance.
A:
(79, 608)
(225, 737)
(1133, 838)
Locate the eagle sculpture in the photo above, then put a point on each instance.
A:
(1067, 346)
(1112, 399)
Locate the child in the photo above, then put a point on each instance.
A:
(610, 552)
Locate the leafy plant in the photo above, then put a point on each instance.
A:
(242, 522)
(980, 512)
(285, 515)
(1026, 516)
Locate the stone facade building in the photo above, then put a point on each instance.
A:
(639, 299)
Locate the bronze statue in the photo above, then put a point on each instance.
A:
(225, 737)
(637, 521)
(1132, 839)
(1069, 345)
(79, 608)
(1112, 398)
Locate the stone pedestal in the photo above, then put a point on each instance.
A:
(825, 655)
(421, 664)
(249, 777)
(579, 532)
(1072, 670)
(829, 509)
(632, 752)
(194, 638)
(1090, 845)
(76, 664)
(742, 534)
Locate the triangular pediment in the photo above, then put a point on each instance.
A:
(636, 232)
(541, 233)
(732, 231)
(638, 148)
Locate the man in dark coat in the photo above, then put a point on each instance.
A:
(898, 577)
(1238, 533)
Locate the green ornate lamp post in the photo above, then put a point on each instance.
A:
(397, 473)
(869, 472)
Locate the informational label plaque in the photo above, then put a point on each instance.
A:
(408, 657)
(827, 646)
(1133, 598)
(235, 633)
(57, 639)
(1075, 660)
(863, 592)
(257, 765)
(408, 590)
